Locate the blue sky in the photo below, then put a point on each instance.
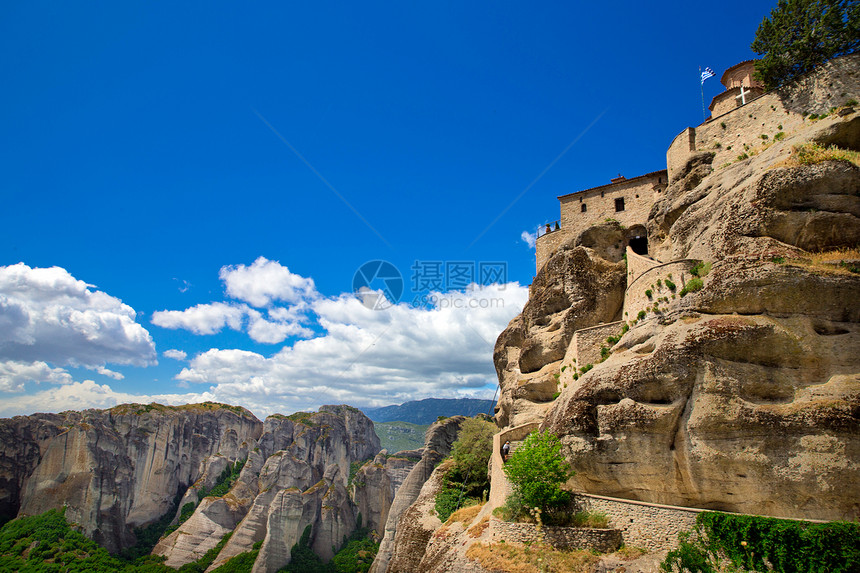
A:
(204, 181)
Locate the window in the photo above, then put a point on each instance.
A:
(583, 208)
(619, 204)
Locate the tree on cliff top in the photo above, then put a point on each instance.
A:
(800, 34)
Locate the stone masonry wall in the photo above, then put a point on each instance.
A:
(603, 540)
(650, 526)
(636, 297)
(639, 194)
(783, 110)
(546, 245)
(500, 488)
(588, 341)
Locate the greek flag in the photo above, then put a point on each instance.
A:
(707, 74)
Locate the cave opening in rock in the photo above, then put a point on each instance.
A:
(639, 244)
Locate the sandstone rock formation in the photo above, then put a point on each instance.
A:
(743, 396)
(295, 476)
(116, 469)
(574, 289)
(376, 483)
(407, 531)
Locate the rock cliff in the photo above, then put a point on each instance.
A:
(115, 469)
(407, 527)
(296, 475)
(743, 395)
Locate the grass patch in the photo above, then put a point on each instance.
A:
(590, 519)
(536, 558)
(693, 285)
(812, 153)
(464, 515)
(839, 261)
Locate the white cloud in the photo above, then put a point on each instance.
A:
(369, 357)
(269, 332)
(109, 373)
(265, 282)
(47, 315)
(529, 238)
(203, 318)
(175, 354)
(261, 284)
(88, 394)
(15, 375)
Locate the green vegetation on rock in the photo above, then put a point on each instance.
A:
(399, 436)
(46, 543)
(536, 470)
(754, 543)
(467, 483)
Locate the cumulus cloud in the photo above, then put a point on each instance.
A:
(175, 354)
(261, 285)
(529, 238)
(88, 394)
(369, 357)
(264, 282)
(15, 375)
(109, 373)
(203, 318)
(47, 315)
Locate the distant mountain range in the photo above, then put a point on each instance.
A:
(428, 411)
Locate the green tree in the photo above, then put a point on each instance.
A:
(471, 452)
(536, 470)
(800, 34)
(464, 484)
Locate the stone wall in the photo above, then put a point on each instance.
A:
(546, 245)
(638, 194)
(784, 110)
(500, 487)
(636, 296)
(588, 341)
(603, 540)
(679, 151)
(650, 526)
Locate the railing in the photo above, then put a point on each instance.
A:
(548, 228)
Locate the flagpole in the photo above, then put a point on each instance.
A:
(702, 86)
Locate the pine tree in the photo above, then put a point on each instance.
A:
(801, 34)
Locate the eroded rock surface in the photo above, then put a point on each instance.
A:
(406, 528)
(116, 469)
(743, 396)
(295, 476)
(576, 288)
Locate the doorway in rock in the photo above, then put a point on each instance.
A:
(639, 244)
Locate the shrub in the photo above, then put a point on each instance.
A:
(465, 482)
(765, 544)
(701, 269)
(723, 124)
(642, 314)
(536, 470)
(670, 285)
(851, 102)
(648, 293)
(779, 136)
(604, 352)
(693, 285)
